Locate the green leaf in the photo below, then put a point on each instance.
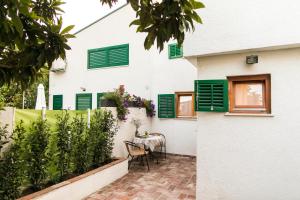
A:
(136, 22)
(67, 29)
(196, 17)
(18, 24)
(197, 4)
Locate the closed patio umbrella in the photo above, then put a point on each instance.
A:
(40, 98)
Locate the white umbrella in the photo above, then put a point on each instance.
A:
(40, 98)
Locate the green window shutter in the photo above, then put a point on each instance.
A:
(175, 51)
(83, 101)
(166, 106)
(108, 56)
(211, 95)
(99, 96)
(57, 102)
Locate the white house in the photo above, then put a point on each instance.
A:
(143, 73)
(249, 128)
(246, 63)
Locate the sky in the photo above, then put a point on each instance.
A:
(83, 13)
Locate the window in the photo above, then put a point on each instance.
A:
(175, 51)
(185, 104)
(166, 106)
(83, 101)
(211, 95)
(57, 102)
(108, 56)
(250, 94)
(99, 96)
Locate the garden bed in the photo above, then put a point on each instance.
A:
(85, 184)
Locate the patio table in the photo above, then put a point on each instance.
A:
(150, 141)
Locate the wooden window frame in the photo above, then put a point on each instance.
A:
(265, 79)
(177, 95)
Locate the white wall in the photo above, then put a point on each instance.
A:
(7, 116)
(238, 25)
(149, 73)
(127, 129)
(252, 158)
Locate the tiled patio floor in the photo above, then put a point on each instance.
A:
(174, 178)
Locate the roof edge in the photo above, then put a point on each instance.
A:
(247, 50)
(91, 24)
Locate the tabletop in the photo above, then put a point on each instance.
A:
(150, 141)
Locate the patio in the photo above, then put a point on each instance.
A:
(174, 178)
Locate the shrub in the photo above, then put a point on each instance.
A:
(100, 137)
(79, 145)
(117, 97)
(36, 158)
(63, 137)
(3, 136)
(109, 129)
(11, 166)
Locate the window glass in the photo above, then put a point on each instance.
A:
(185, 105)
(249, 94)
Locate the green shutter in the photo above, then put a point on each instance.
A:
(99, 96)
(57, 102)
(108, 56)
(175, 51)
(83, 101)
(211, 95)
(166, 106)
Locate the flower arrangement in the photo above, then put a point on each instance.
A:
(150, 108)
(122, 100)
(117, 97)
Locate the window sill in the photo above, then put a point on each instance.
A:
(249, 114)
(187, 118)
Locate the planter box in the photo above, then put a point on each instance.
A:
(107, 103)
(81, 186)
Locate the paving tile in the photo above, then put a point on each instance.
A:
(173, 178)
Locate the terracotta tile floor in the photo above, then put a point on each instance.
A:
(174, 178)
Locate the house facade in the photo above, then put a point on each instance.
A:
(107, 54)
(247, 56)
(242, 65)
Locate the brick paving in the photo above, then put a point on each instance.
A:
(173, 178)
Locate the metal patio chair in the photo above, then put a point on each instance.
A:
(163, 145)
(135, 151)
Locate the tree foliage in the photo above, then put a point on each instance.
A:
(31, 35)
(163, 20)
(31, 38)
(12, 95)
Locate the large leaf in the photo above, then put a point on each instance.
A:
(67, 29)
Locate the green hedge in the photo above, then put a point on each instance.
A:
(29, 116)
(45, 152)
